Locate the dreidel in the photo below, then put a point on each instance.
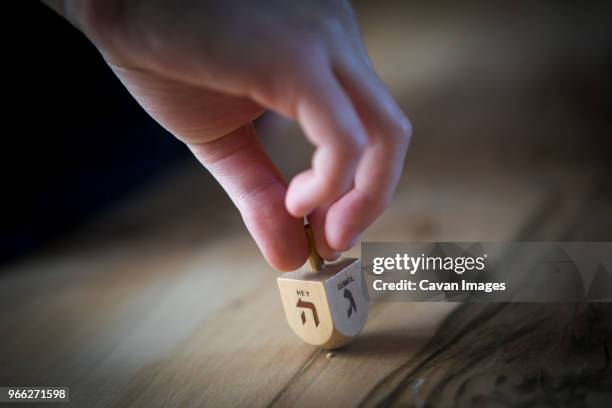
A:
(324, 303)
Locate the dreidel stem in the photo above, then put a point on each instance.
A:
(314, 259)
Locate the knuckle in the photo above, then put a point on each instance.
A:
(261, 200)
(350, 141)
(330, 188)
(399, 132)
(338, 18)
(334, 184)
(346, 155)
(305, 46)
(331, 25)
(354, 146)
(305, 56)
(405, 129)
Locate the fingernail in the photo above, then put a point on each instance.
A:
(333, 256)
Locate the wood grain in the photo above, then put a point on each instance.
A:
(137, 322)
(511, 354)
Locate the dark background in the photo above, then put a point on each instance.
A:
(75, 139)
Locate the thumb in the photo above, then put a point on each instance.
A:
(244, 170)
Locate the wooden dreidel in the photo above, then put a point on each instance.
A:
(325, 305)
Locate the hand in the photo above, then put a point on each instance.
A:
(206, 69)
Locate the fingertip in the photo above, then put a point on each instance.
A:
(348, 218)
(341, 243)
(298, 201)
(339, 235)
(317, 222)
(280, 238)
(287, 259)
(332, 256)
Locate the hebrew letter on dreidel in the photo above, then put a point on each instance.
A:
(332, 287)
(348, 295)
(311, 306)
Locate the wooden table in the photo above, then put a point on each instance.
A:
(157, 303)
(181, 309)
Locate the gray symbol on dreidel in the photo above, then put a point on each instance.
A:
(352, 307)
